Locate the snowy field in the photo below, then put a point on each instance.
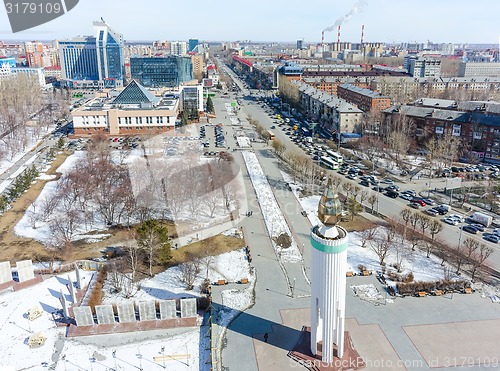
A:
(15, 327)
(202, 211)
(42, 231)
(273, 218)
(132, 351)
(232, 267)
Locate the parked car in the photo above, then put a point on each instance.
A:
(393, 188)
(478, 226)
(405, 196)
(469, 228)
(457, 217)
(410, 192)
(492, 238)
(415, 205)
(388, 181)
(429, 201)
(442, 209)
(451, 221)
(431, 212)
(419, 201)
(392, 194)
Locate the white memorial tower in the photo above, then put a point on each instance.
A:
(328, 281)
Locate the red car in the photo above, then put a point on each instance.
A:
(419, 201)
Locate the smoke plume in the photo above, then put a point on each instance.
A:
(358, 7)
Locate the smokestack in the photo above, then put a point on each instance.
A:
(338, 35)
(362, 33)
(322, 37)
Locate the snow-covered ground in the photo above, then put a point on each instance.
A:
(42, 231)
(186, 349)
(232, 267)
(422, 268)
(201, 211)
(243, 142)
(16, 329)
(273, 217)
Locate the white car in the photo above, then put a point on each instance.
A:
(457, 217)
(406, 196)
(451, 221)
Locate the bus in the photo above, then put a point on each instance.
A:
(329, 163)
(335, 156)
(271, 135)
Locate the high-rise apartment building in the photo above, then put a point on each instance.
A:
(422, 67)
(178, 48)
(198, 65)
(97, 58)
(159, 71)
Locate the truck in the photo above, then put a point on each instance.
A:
(481, 218)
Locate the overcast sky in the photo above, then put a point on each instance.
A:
(456, 21)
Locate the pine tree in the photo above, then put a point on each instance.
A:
(152, 237)
(210, 105)
(184, 118)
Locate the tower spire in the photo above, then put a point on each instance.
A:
(329, 207)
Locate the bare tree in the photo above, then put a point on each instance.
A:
(459, 256)
(381, 247)
(405, 215)
(424, 222)
(347, 188)
(188, 272)
(153, 238)
(372, 200)
(435, 227)
(478, 258)
(367, 235)
(279, 148)
(336, 182)
(363, 195)
(414, 219)
(413, 238)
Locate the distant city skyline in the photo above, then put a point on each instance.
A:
(442, 21)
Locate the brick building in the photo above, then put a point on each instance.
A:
(365, 99)
(134, 111)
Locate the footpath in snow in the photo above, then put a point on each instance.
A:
(273, 218)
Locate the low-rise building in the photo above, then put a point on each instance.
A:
(333, 114)
(365, 99)
(477, 69)
(135, 110)
(477, 124)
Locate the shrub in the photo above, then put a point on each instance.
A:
(95, 297)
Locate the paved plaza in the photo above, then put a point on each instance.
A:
(409, 334)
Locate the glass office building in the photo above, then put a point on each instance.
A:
(193, 43)
(161, 72)
(94, 58)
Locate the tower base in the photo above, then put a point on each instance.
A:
(301, 353)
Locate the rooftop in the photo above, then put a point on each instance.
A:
(363, 91)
